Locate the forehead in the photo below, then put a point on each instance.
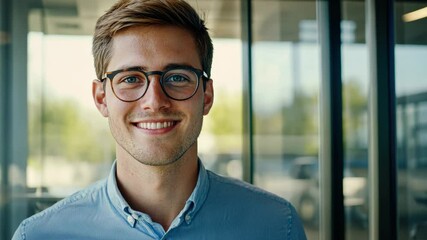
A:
(153, 47)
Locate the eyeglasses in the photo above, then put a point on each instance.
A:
(178, 83)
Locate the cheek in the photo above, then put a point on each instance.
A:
(116, 108)
(198, 109)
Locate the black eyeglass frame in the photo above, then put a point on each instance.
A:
(199, 73)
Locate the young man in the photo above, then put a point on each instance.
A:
(153, 60)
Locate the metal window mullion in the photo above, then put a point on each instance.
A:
(382, 121)
(4, 46)
(248, 134)
(17, 115)
(332, 220)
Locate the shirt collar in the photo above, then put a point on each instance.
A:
(200, 192)
(192, 205)
(114, 194)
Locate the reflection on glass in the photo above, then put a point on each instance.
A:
(221, 140)
(285, 104)
(355, 119)
(411, 118)
(69, 142)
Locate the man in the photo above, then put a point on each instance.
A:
(153, 60)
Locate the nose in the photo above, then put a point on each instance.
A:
(154, 99)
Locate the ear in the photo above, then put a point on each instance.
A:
(208, 97)
(98, 94)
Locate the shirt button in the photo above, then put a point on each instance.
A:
(131, 220)
(187, 218)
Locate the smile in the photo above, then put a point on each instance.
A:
(155, 125)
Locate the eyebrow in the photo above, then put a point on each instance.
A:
(167, 67)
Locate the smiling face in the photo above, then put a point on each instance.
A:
(154, 130)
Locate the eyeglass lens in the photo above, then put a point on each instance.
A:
(178, 84)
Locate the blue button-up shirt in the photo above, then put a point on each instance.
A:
(218, 208)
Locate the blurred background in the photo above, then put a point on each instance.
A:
(264, 127)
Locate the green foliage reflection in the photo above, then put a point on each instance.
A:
(60, 128)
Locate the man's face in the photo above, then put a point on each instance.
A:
(154, 130)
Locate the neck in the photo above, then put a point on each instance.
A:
(159, 191)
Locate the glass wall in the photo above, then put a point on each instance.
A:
(411, 108)
(355, 82)
(285, 104)
(69, 142)
(221, 137)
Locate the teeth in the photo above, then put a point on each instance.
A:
(155, 125)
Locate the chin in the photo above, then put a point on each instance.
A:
(159, 159)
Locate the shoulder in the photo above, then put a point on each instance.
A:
(85, 196)
(84, 199)
(253, 207)
(244, 193)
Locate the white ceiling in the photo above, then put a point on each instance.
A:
(78, 17)
(272, 20)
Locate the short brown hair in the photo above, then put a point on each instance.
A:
(128, 13)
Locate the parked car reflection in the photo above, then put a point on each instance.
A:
(303, 191)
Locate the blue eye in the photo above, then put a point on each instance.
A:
(176, 79)
(131, 79)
